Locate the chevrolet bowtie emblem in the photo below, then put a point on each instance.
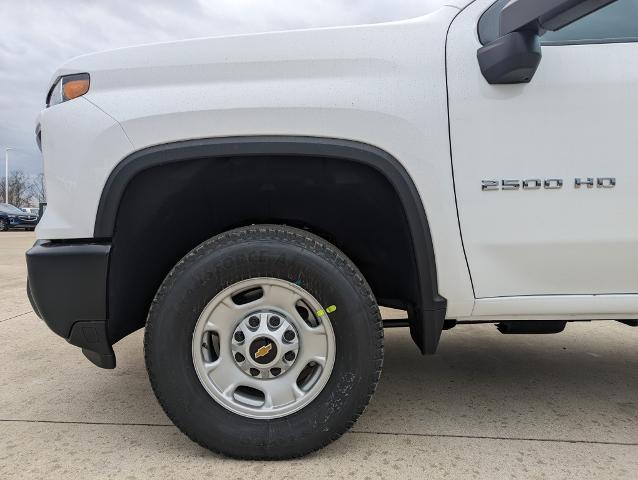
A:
(263, 351)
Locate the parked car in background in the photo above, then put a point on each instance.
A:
(12, 218)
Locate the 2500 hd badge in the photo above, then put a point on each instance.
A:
(549, 183)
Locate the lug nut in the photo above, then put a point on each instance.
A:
(289, 356)
(253, 321)
(289, 335)
(275, 321)
(239, 357)
(275, 371)
(254, 372)
(239, 336)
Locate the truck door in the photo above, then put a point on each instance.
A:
(546, 173)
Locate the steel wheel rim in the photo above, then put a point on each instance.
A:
(231, 381)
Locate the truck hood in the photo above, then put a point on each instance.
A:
(248, 48)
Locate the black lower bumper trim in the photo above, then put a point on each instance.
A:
(93, 339)
(67, 287)
(100, 359)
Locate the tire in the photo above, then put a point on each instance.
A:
(4, 226)
(293, 261)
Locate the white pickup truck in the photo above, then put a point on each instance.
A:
(476, 164)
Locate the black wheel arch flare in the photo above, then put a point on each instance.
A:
(427, 316)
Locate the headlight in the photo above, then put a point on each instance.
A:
(11, 216)
(68, 87)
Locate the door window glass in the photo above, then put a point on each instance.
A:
(615, 23)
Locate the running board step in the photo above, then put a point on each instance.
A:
(531, 326)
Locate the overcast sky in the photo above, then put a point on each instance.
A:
(36, 36)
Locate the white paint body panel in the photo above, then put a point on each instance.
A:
(555, 307)
(577, 118)
(80, 145)
(383, 85)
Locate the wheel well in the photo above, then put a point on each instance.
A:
(166, 210)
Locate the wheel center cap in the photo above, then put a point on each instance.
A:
(263, 350)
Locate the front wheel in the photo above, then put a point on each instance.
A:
(264, 342)
(4, 225)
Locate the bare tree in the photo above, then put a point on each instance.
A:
(20, 188)
(38, 189)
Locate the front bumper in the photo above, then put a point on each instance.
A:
(21, 223)
(67, 287)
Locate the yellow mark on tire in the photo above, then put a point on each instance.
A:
(322, 312)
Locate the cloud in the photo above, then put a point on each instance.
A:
(39, 35)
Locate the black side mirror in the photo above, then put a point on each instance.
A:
(514, 56)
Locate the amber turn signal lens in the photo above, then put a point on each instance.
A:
(75, 88)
